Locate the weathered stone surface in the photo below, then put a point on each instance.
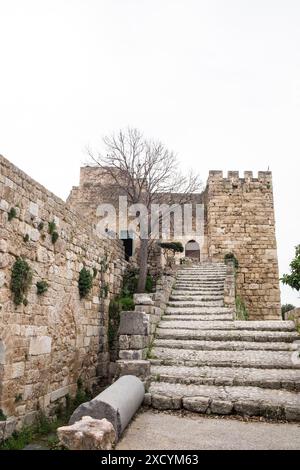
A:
(221, 407)
(133, 341)
(196, 404)
(139, 368)
(88, 434)
(143, 299)
(40, 345)
(287, 379)
(133, 355)
(164, 402)
(134, 323)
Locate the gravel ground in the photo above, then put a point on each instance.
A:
(152, 430)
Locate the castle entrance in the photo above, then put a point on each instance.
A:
(192, 250)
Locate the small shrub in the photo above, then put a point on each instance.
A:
(104, 290)
(21, 280)
(104, 264)
(26, 238)
(2, 416)
(85, 282)
(113, 321)
(241, 309)
(51, 227)
(293, 279)
(130, 281)
(41, 287)
(231, 257)
(18, 398)
(79, 383)
(286, 308)
(149, 284)
(175, 247)
(12, 214)
(126, 303)
(54, 237)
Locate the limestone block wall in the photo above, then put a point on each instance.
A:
(56, 338)
(240, 218)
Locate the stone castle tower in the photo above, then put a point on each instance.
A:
(238, 218)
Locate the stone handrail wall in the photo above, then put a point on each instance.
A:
(56, 338)
(137, 329)
(230, 287)
(293, 315)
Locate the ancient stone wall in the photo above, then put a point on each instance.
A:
(51, 340)
(240, 217)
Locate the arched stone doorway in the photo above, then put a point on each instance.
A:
(192, 250)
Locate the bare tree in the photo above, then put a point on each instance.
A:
(148, 173)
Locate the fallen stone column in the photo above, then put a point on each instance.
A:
(118, 403)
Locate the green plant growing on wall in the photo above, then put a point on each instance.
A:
(18, 398)
(104, 290)
(51, 227)
(12, 214)
(113, 321)
(20, 280)
(54, 237)
(41, 287)
(130, 281)
(85, 282)
(53, 232)
(230, 257)
(293, 279)
(3, 417)
(241, 309)
(104, 264)
(126, 303)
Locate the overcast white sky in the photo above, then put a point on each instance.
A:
(218, 81)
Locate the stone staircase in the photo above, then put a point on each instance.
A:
(204, 361)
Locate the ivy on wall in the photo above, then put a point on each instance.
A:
(85, 282)
(20, 281)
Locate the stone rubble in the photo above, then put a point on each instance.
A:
(88, 434)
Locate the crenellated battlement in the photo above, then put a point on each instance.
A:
(247, 176)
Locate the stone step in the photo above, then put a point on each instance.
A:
(198, 298)
(199, 285)
(197, 311)
(287, 379)
(201, 317)
(257, 359)
(208, 345)
(196, 303)
(272, 325)
(203, 277)
(227, 335)
(197, 293)
(201, 273)
(243, 400)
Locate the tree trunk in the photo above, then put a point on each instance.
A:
(143, 265)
